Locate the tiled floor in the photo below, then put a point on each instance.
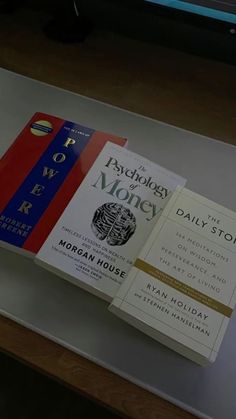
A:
(26, 394)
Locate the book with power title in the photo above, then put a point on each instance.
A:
(181, 290)
(39, 174)
(97, 238)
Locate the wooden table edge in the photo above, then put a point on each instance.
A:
(82, 375)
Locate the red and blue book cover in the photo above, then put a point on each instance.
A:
(40, 173)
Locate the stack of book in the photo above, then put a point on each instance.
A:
(122, 228)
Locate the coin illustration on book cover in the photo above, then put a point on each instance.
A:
(114, 223)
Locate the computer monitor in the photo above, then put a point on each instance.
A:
(203, 27)
(220, 10)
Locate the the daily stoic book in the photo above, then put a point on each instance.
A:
(181, 290)
(40, 173)
(101, 231)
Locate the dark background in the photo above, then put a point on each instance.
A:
(26, 394)
(161, 25)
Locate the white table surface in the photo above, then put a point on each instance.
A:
(81, 322)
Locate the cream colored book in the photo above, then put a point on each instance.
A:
(181, 289)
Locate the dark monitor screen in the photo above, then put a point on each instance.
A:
(222, 10)
(202, 27)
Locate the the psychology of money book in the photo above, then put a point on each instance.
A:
(95, 241)
(39, 174)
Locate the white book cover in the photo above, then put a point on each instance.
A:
(101, 231)
(181, 290)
